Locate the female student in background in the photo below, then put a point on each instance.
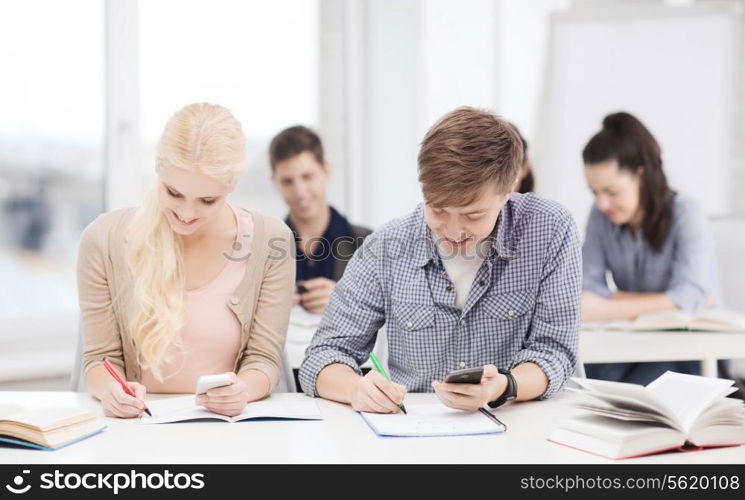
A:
(187, 284)
(654, 242)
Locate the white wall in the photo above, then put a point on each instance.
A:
(458, 50)
(414, 60)
(332, 92)
(417, 59)
(523, 47)
(390, 68)
(387, 175)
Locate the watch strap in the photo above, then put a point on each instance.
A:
(510, 392)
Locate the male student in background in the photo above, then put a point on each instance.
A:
(325, 238)
(476, 276)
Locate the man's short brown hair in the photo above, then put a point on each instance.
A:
(292, 142)
(465, 150)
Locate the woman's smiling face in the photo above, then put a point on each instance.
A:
(190, 200)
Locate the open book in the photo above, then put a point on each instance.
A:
(709, 320)
(675, 411)
(46, 428)
(432, 420)
(277, 406)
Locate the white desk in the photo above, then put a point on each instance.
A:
(618, 346)
(343, 437)
(604, 346)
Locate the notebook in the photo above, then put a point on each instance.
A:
(46, 428)
(277, 406)
(675, 411)
(432, 420)
(709, 320)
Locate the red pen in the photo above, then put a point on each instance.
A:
(121, 381)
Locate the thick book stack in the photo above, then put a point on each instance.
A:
(674, 412)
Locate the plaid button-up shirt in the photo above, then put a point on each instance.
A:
(523, 305)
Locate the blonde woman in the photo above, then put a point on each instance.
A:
(187, 284)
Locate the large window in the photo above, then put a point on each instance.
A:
(259, 59)
(51, 170)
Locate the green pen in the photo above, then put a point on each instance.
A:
(379, 368)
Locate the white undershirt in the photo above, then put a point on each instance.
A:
(462, 270)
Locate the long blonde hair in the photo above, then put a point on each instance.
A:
(199, 137)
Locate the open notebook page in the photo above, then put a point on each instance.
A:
(276, 406)
(431, 420)
(177, 409)
(282, 405)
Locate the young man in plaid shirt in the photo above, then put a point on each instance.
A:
(476, 276)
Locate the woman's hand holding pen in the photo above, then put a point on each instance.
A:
(117, 403)
(373, 393)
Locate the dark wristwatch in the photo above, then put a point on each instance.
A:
(509, 394)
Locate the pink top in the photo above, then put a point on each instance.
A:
(211, 336)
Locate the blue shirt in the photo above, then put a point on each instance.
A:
(523, 305)
(685, 268)
(321, 263)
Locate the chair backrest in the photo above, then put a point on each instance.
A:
(77, 384)
(286, 377)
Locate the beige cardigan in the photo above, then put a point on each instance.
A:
(261, 302)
